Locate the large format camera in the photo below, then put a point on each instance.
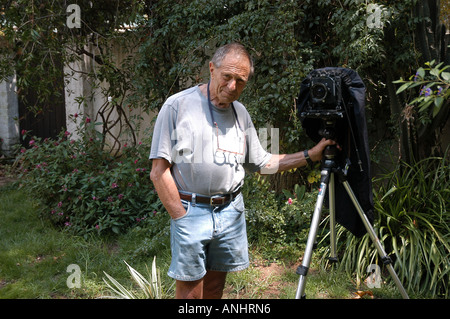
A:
(331, 105)
(325, 100)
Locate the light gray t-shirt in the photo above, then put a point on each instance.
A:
(206, 160)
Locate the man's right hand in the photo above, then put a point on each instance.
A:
(166, 188)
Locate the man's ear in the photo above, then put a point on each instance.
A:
(211, 68)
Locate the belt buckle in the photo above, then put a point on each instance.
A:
(212, 198)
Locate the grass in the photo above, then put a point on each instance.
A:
(34, 257)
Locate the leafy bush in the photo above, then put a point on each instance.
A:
(434, 85)
(279, 225)
(414, 216)
(413, 224)
(83, 188)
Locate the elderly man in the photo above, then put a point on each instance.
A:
(203, 142)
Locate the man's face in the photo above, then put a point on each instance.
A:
(229, 80)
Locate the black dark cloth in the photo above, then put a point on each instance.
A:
(353, 93)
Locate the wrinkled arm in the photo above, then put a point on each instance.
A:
(283, 162)
(165, 187)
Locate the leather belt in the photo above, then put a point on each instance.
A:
(215, 200)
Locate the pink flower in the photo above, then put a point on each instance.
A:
(88, 120)
(32, 142)
(290, 201)
(97, 226)
(114, 185)
(60, 204)
(120, 196)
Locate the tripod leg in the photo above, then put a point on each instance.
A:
(331, 197)
(303, 269)
(386, 260)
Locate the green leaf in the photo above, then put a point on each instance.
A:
(446, 76)
(421, 72)
(287, 193)
(300, 191)
(438, 101)
(388, 193)
(434, 72)
(403, 87)
(426, 104)
(437, 105)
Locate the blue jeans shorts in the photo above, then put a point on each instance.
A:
(208, 238)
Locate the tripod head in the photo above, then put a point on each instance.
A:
(328, 131)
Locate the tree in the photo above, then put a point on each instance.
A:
(169, 43)
(422, 127)
(42, 36)
(385, 41)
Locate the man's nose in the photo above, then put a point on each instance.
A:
(232, 85)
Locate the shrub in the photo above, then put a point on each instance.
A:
(413, 224)
(264, 220)
(279, 225)
(83, 188)
(413, 206)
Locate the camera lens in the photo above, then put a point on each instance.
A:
(318, 91)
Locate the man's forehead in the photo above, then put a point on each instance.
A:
(237, 62)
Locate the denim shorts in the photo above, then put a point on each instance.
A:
(208, 238)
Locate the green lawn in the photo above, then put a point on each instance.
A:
(34, 259)
(34, 256)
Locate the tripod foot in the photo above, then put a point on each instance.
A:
(333, 260)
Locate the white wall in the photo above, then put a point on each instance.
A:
(94, 97)
(9, 116)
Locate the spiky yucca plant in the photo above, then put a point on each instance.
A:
(148, 289)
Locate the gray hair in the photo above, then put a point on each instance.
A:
(235, 48)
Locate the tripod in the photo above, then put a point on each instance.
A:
(328, 169)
